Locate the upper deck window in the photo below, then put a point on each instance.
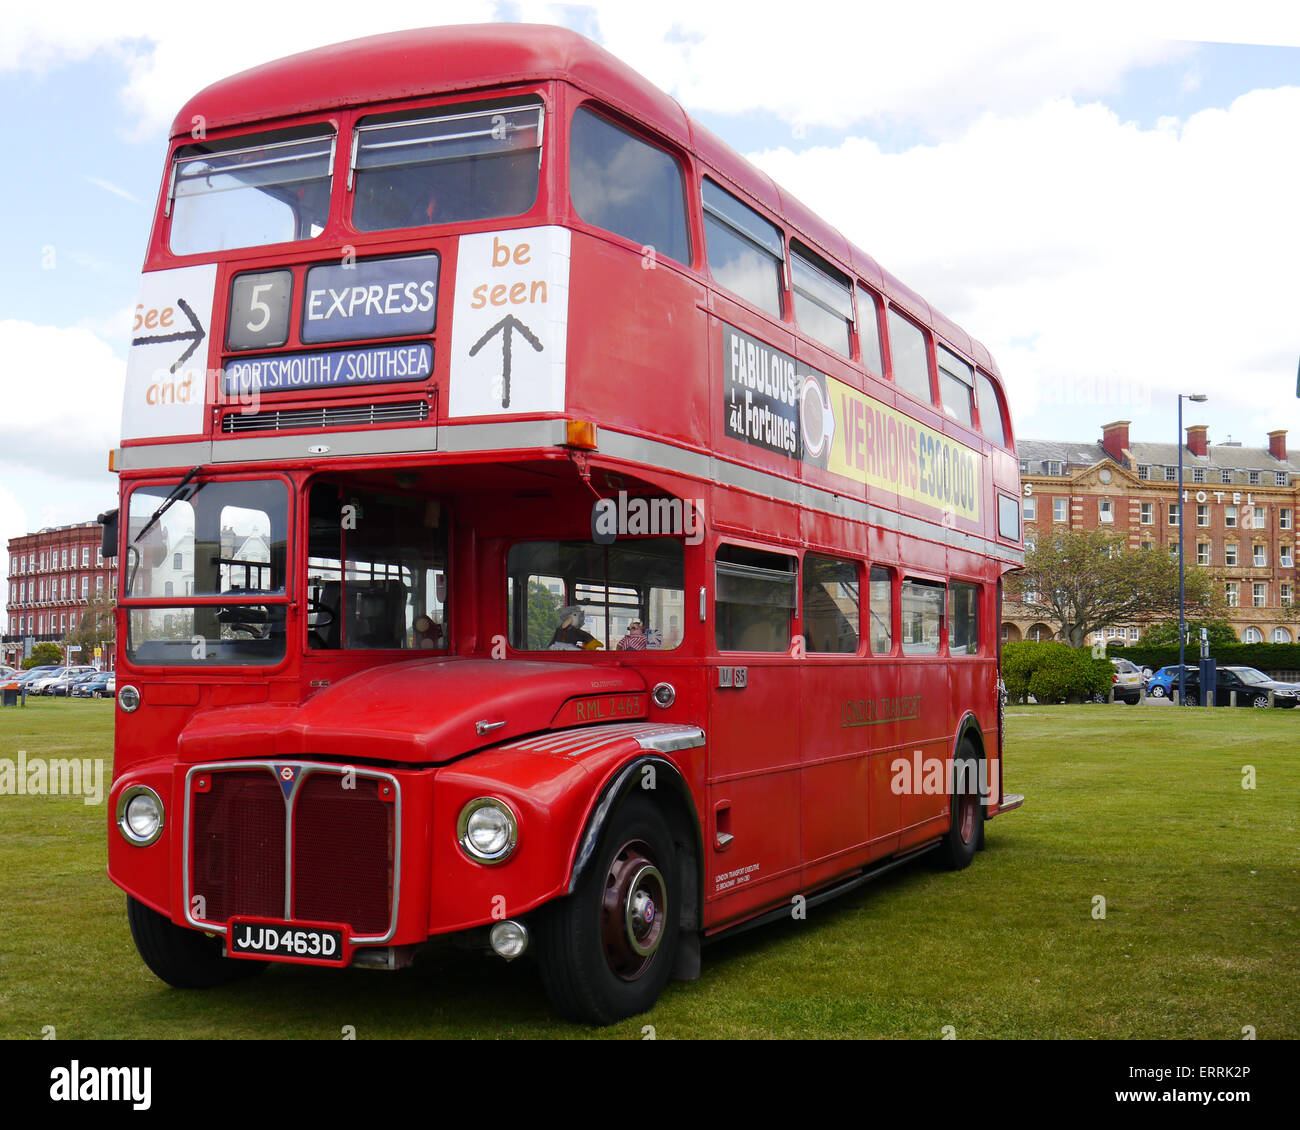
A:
(823, 300)
(907, 353)
(250, 191)
(990, 404)
(956, 384)
(869, 332)
(625, 185)
(420, 168)
(745, 250)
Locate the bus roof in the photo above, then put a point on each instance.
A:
(410, 64)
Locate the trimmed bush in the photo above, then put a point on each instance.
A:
(1053, 672)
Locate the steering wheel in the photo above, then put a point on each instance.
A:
(316, 608)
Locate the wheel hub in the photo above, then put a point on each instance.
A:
(633, 911)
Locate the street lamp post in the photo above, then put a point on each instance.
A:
(1198, 398)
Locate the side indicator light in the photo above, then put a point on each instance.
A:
(581, 433)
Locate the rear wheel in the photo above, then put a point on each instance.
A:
(1260, 702)
(185, 959)
(1191, 699)
(1157, 692)
(966, 832)
(607, 950)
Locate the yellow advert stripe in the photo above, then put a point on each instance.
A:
(874, 444)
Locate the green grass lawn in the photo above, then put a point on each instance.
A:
(1143, 806)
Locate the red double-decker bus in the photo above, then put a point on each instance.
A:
(535, 525)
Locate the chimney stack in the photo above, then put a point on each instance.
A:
(1114, 438)
(1277, 445)
(1198, 439)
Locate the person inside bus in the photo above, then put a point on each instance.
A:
(570, 636)
(635, 639)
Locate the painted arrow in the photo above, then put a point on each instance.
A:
(507, 326)
(193, 336)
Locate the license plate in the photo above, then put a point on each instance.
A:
(269, 939)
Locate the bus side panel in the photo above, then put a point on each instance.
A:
(925, 742)
(637, 349)
(754, 789)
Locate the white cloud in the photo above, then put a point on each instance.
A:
(63, 401)
(1089, 253)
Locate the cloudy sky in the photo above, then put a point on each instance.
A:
(1104, 194)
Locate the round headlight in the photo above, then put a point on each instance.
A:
(128, 698)
(140, 815)
(487, 830)
(664, 694)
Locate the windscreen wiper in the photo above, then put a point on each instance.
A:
(166, 502)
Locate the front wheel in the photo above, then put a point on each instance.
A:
(1260, 702)
(1191, 699)
(606, 951)
(185, 959)
(1156, 692)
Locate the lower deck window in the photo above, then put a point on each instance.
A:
(580, 596)
(754, 599)
(922, 608)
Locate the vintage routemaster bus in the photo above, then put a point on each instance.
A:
(535, 526)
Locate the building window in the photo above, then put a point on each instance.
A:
(1284, 518)
(1287, 560)
(1225, 476)
(1231, 594)
(1202, 553)
(1173, 513)
(1254, 478)
(1055, 468)
(1148, 545)
(1105, 510)
(176, 561)
(85, 587)
(1146, 513)
(1031, 509)
(1259, 595)
(1144, 470)
(99, 584)
(1060, 510)
(99, 555)
(1284, 595)
(1252, 635)
(1280, 479)
(1281, 635)
(1171, 474)
(1230, 555)
(1203, 514)
(1198, 474)
(1230, 517)
(1261, 518)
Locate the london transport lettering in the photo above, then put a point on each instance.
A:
(776, 402)
(873, 712)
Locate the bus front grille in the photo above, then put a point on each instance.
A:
(326, 416)
(334, 863)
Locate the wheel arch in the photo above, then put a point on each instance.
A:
(674, 796)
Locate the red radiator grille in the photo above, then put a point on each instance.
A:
(343, 848)
(237, 847)
(343, 853)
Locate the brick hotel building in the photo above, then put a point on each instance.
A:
(52, 575)
(1239, 517)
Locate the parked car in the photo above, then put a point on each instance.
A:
(1165, 681)
(27, 678)
(45, 684)
(1126, 682)
(1252, 688)
(100, 685)
(63, 687)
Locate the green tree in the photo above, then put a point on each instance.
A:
(43, 654)
(1085, 580)
(96, 628)
(1165, 634)
(543, 616)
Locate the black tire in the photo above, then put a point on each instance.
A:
(1133, 701)
(185, 959)
(966, 831)
(1191, 699)
(589, 944)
